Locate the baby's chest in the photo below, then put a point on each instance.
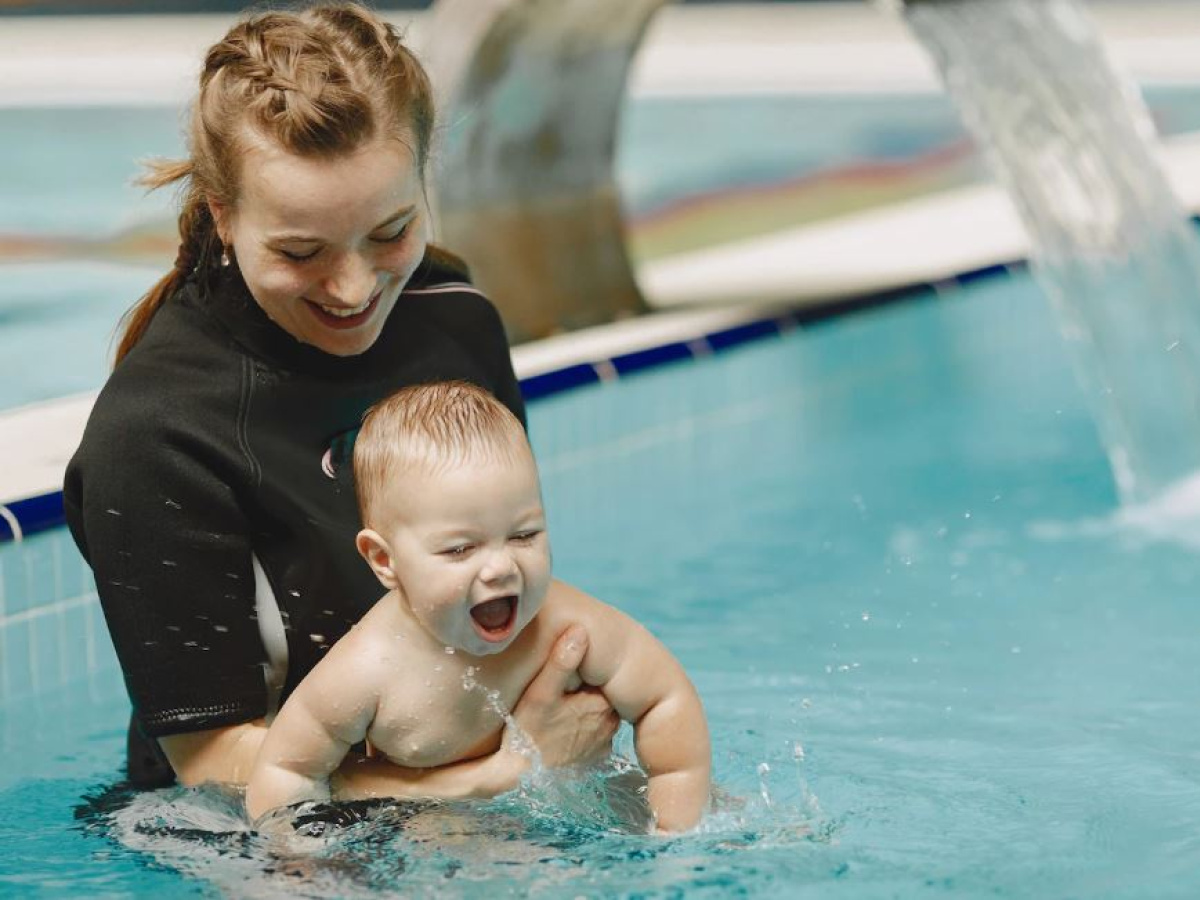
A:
(443, 721)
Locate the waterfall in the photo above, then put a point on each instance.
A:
(1111, 244)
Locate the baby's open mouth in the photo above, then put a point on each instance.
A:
(494, 618)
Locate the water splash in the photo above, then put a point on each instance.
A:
(518, 740)
(1111, 244)
(1171, 517)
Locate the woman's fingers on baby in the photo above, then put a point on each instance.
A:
(598, 724)
(559, 675)
(570, 647)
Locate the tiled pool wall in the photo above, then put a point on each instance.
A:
(51, 629)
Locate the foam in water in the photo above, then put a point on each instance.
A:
(1111, 244)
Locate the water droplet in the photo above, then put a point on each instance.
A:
(449, 651)
(172, 504)
(866, 617)
(221, 628)
(113, 512)
(174, 628)
(234, 575)
(763, 771)
(293, 593)
(317, 638)
(1015, 650)
(797, 752)
(170, 563)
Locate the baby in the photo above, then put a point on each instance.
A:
(455, 531)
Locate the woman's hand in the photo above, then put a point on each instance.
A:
(569, 726)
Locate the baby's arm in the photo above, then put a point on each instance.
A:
(648, 687)
(326, 714)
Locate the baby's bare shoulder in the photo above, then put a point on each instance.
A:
(567, 605)
(368, 650)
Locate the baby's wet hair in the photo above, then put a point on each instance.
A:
(431, 427)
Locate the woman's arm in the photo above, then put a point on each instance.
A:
(228, 755)
(566, 727)
(220, 754)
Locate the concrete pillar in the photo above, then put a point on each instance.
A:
(525, 187)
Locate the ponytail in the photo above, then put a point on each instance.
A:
(197, 236)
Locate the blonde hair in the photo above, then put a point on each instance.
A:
(318, 82)
(435, 426)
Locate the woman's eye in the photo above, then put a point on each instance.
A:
(395, 236)
(295, 256)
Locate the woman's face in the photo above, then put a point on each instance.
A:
(327, 245)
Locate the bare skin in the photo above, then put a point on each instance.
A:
(424, 721)
(469, 612)
(569, 728)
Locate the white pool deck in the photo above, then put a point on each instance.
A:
(821, 48)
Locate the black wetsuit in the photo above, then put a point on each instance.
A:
(214, 441)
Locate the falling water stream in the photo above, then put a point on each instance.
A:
(1111, 244)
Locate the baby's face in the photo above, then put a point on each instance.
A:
(470, 550)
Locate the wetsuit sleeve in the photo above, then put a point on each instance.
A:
(154, 515)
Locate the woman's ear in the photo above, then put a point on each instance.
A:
(375, 550)
(220, 215)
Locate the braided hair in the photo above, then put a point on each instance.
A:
(320, 82)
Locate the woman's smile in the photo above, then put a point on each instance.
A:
(341, 317)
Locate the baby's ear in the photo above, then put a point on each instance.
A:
(375, 550)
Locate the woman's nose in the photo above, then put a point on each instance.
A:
(352, 281)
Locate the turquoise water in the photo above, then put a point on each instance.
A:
(884, 548)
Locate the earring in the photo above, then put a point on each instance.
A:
(224, 258)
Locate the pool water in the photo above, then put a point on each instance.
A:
(884, 548)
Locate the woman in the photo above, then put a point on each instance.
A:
(212, 491)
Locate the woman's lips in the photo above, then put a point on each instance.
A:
(340, 323)
(494, 619)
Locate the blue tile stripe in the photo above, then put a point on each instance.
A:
(36, 514)
(31, 515)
